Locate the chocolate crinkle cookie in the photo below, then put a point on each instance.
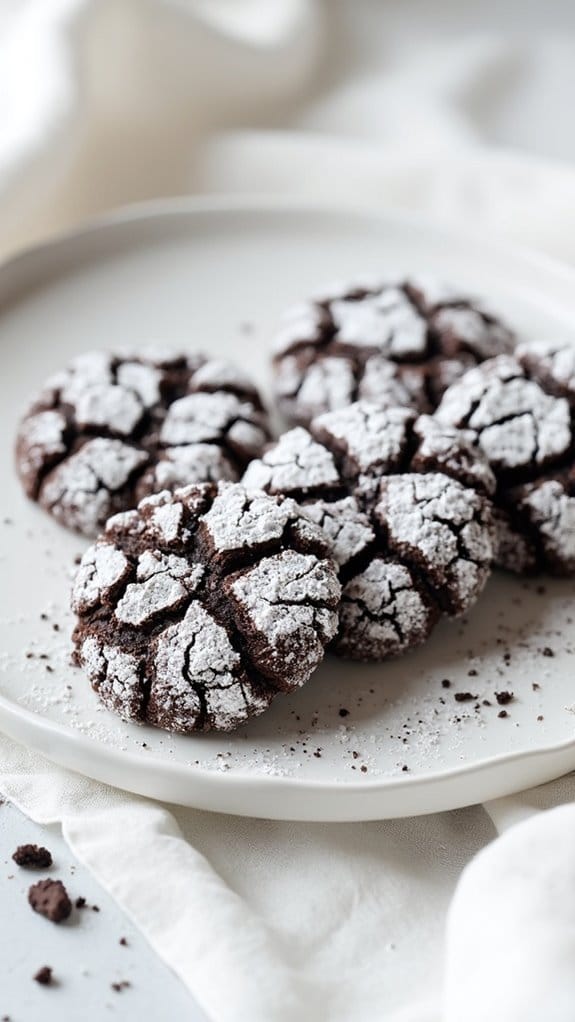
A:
(198, 607)
(111, 429)
(394, 343)
(520, 412)
(403, 503)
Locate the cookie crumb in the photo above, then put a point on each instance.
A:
(123, 942)
(123, 984)
(80, 903)
(446, 683)
(32, 857)
(44, 976)
(50, 899)
(503, 698)
(464, 697)
(503, 713)
(547, 651)
(343, 712)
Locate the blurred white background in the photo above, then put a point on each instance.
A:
(455, 108)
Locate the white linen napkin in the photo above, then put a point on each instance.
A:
(105, 101)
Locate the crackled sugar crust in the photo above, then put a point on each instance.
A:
(198, 607)
(395, 343)
(402, 502)
(521, 413)
(111, 429)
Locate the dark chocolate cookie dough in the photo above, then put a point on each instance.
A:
(110, 429)
(520, 412)
(402, 502)
(198, 607)
(398, 344)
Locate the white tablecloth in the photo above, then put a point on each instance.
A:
(462, 112)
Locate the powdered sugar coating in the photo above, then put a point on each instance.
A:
(163, 582)
(517, 425)
(102, 570)
(384, 611)
(42, 444)
(197, 607)
(521, 413)
(452, 451)
(166, 418)
(552, 364)
(443, 529)
(242, 521)
(345, 525)
(368, 439)
(386, 321)
(549, 507)
(87, 487)
(295, 464)
(115, 676)
(184, 465)
(386, 341)
(536, 526)
(337, 470)
(285, 606)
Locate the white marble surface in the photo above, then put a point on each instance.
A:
(84, 952)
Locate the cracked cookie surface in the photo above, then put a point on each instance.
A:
(520, 412)
(111, 429)
(394, 343)
(199, 606)
(402, 502)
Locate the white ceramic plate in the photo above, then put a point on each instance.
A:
(358, 742)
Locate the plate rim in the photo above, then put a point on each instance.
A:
(16, 720)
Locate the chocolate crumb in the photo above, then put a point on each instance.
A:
(123, 942)
(122, 985)
(503, 713)
(464, 697)
(32, 857)
(535, 686)
(43, 616)
(503, 698)
(405, 768)
(50, 899)
(95, 908)
(343, 712)
(486, 702)
(80, 903)
(363, 768)
(472, 672)
(540, 717)
(44, 976)
(547, 651)
(55, 627)
(446, 683)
